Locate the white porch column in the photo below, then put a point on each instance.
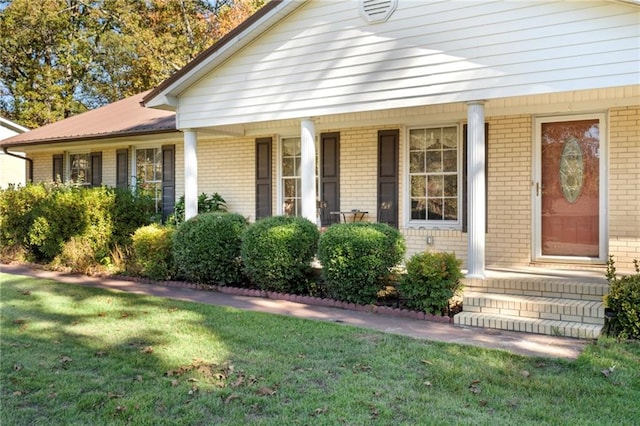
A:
(190, 174)
(308, 169)
(476, 189)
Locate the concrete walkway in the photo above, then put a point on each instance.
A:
(515, 342)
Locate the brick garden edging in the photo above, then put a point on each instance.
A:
(307, 300)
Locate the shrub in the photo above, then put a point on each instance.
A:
(41, 219)
(206, 204)
(623, 301)
(152, 252)
(78, 255)
(431, 281)
(277, 253)
(206, 248)
(57, 218)
(356, 259)
(130, 211)
(16, 215)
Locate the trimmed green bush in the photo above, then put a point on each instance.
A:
(357, 258)
(152, 252)
(623, 301)
(206, 248)
(277, 253)
(431, 281)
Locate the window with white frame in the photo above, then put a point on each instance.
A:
(80, 168)
(291, 175)
(149, 173)
(435, 175)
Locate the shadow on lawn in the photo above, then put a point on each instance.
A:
(77, 355)
(71, 353)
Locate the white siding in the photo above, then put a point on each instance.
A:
(325, 59)
(12, 170)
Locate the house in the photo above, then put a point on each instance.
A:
(12, 168)
(507, 132)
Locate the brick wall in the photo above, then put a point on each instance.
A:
(42, 167)
(227, 166)
(509, 190)
(624, 185)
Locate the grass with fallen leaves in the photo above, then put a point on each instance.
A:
(76, 356)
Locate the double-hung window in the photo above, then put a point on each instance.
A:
(80, 169)
(149, 173)
(291, 175)
(435, 176)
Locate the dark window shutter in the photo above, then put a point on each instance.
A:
(168, 180)
(465, 193)
(388, 177)
(96, 169)
(329, 176)
(263, 178)
(122, 168)
(58, 170)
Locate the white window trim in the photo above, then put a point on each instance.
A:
(279, 188)
(406, 179)
(67, 165)
(134, 166)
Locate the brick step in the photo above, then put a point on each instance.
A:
(548, 308)
(556, 288)
(529, 325)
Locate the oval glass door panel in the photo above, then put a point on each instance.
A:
(570, 175)
(571, 171)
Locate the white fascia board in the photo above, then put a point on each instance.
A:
(12, 126)
(168, 98)
(164, 102)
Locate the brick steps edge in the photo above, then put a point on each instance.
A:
(307, 300)
(529, 325)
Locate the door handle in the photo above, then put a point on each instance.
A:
(537, 189)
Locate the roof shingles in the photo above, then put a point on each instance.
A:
(122, 118)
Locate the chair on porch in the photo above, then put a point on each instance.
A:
(326, 218)
(384, 212)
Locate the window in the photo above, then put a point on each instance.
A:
(80, 169)
(149, 173)
(434, 175)
(291, 178)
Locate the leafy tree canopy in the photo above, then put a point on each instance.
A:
(63, 57)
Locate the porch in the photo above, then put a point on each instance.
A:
(542, 300)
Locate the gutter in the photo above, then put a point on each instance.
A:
(29, 160)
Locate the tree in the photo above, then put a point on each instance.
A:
(63, 57)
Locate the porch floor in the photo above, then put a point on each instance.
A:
(559, 302)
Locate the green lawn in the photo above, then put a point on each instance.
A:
(74, 355)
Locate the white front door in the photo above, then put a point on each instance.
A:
(569, 189)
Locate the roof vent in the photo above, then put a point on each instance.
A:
(377, 10)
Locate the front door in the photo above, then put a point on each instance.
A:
(569, 189)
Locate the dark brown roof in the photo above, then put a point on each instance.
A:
(126, 117)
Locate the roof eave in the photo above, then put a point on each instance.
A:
(84, 138)
(165, 96)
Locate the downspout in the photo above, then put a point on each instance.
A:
(29, 160)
